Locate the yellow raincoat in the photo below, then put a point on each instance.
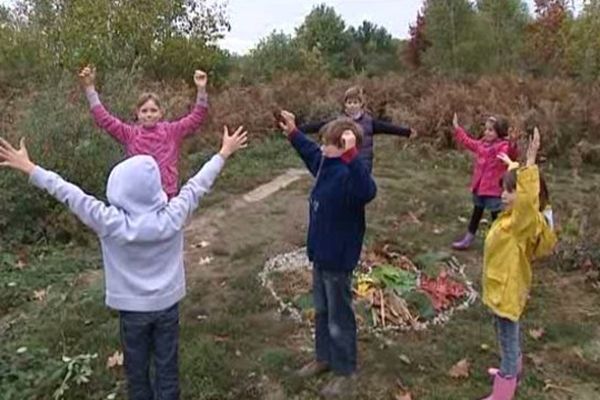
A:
(516, 237)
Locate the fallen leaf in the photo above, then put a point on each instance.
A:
(405, 359)
(12, 284)
(462, 219)
(485, 347)
(221, 339)
(39, 295)
(111, 396)
(537, 360)
(21, 350)
(460, 369)
(205, 260)
(201, 245)
(201, 317)
(116, 360)
(537, 333)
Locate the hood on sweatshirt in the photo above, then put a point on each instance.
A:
(134, 185)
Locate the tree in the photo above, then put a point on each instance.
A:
(504, 23)
(418, 43)
(451, 27)
(372, 50)
(324, 31)
(584, 42)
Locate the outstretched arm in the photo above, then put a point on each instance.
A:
(191, 122)
(114, 126)
(92, 212)
(181, 207)
(308, 150)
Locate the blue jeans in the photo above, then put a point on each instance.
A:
(146, 336)
(508, 333)
(335, 331)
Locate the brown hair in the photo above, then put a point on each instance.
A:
(355, 93)
(509, 183)
(500, 126)
(333, 131)
(144, 97)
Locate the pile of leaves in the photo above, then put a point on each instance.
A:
(390, 291)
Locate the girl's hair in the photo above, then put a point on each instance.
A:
(144, 97)
(333, 131)
(500, 126)
(509, 183)
(355, 93)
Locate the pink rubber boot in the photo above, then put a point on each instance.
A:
(494, 371)
(504, 388)
(464, 243)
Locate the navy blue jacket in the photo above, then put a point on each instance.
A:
(343, 186)
(371, 127)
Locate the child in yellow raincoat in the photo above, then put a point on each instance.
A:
(522, 232)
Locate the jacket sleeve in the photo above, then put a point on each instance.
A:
(308, 150)
(380, 127)
(526, 207)
(361, 186)
(312, 127)
(119, 130)
(463, 138)
(182, 206)
(101, 218)
(191, 122)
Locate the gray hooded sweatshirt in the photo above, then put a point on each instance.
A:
(141, 234)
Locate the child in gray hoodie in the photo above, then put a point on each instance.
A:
(141, 235)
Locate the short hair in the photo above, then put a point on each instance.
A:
(144, 97)
(332, 132)
(355, 93)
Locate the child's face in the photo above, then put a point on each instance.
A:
(489, 135)
(508, 198)
(149, 113)
(331, 150)
(353, 107)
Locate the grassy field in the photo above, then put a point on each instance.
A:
(234, 343)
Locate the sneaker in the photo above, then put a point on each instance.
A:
(464, 243)
(339, 386)
(311, 369)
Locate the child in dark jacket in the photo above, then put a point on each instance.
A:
(343, 187)
(354, 108)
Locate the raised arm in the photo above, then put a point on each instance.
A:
(308, 150)
(462, 137)
(191, 122)
(92, 212)
(181, 207)
(119, 130)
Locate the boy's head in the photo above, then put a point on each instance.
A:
(148, 110)
(134, 185)
(331, 136)
(495, 128)
(354, 102)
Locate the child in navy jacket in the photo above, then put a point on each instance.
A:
(343, 187)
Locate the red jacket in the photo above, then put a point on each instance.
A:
(488, 169)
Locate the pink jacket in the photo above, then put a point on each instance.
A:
(488, 169)
(163, 141)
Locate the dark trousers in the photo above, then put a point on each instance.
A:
(335, 331)
(146, 337)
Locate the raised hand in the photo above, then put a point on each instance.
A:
(288, 122)
(87, 76)
(200, 79)
(16, 159)
(534, 146)
(234, 142)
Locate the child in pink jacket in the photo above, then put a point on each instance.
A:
(150, 135)
(487, 171)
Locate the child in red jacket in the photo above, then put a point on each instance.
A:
(487, 171)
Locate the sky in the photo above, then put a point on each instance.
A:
(252, 20)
